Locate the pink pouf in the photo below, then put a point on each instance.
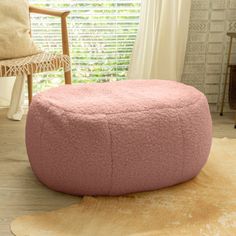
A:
(119, 137)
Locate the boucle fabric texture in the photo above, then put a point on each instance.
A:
(15, 38)
(119, 137)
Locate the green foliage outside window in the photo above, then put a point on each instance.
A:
(101, 33)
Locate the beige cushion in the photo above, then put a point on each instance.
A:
(15, 39)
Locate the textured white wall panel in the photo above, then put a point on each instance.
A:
(206, 54)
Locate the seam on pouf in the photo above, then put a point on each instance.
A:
(109, 130)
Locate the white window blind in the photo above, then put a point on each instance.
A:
(101, 34)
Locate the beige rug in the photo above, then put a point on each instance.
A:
(205, 206)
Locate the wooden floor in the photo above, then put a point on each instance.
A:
(223, 126)
(21, 193)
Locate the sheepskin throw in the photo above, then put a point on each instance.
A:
(119, 137)
(15, 38)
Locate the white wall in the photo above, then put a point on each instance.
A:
(207, 46)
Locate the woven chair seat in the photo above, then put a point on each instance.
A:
(34, 64)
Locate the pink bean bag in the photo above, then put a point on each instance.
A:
(119, 137)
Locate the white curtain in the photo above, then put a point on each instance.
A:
(6, 85)
(159, 50)
(12, 96)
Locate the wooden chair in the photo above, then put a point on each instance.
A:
(41, 62)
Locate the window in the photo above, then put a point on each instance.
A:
(102, 34)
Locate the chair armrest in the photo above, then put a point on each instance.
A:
(62, 15)
(49, 12)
